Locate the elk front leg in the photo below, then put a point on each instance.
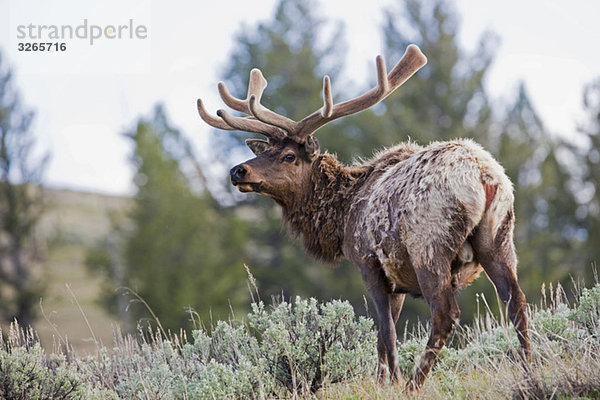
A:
(444, 314)
(396, 301)
(388, 308)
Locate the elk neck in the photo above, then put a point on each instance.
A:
(320, 214)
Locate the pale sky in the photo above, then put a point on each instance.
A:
(88, 95)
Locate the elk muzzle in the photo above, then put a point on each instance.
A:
(239, 179)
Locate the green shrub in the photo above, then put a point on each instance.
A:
(306, 344)
(409, 353)
(553, 323)
(26, 372)
(293, 349)
(587, 312)
(283, 350)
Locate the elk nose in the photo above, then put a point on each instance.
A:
(237, 173)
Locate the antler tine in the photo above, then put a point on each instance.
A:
(230, 123)
(249, 124)
(382, 77)
(210, 120)
(410, 63)
(256, 85)
(230, 101)
(272, 118)
(251, 106)
(327, 99)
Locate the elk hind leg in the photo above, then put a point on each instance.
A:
(496, 253)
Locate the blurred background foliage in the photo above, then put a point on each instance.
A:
(183, 251)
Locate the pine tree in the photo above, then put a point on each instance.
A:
(590, 196)
(446, 99)
(545, 206)
(182, 251)
(21, 205)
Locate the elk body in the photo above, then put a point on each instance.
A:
(416, 220)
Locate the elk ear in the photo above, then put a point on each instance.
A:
(257, 146)
(312, 146)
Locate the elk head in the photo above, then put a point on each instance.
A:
(283, 162)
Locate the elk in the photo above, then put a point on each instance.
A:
(418, 220)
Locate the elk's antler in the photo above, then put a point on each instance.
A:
(256, 86)
(410, 63)
(273, 125)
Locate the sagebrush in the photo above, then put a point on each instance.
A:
(311, 349)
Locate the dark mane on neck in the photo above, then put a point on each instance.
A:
(319, 216)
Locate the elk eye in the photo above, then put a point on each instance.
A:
(289, 158)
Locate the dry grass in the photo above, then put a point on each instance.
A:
(484, 362)
(481, 361)
(73, 221)
(565, 378)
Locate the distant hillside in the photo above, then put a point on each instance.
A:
(80, 216)
(74, 221)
